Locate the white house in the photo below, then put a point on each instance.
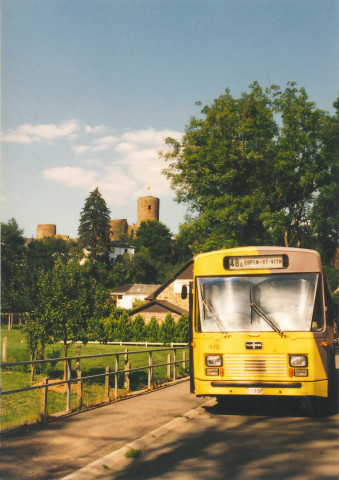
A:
(119, 248)
(127, 294)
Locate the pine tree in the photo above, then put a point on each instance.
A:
(94, 227)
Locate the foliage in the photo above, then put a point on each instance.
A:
(325, 211)
(250, 168)
(152, 330)
(138, 329)
(94, 227)
(156, 237)
(167, 330)
(68, 305)
(12, 259)
(182, 330)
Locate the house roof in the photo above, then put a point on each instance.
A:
(184, 273)
(159, 306)
(134, 289)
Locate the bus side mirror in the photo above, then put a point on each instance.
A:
(184, 292)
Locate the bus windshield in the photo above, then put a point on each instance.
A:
(257, 303)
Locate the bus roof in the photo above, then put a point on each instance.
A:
(255, 260)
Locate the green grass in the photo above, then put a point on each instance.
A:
(24, 407)
(133, 453)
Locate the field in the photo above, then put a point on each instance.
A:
(24, 407)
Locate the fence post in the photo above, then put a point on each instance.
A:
(78, 354)
(174, 364)
(116, 376)
(150, 370)
(107, 370)
(43, 404)
(169, 365)
(4, 350)
(127, 380)
(68, 379)
(184, 359)
(9, 322)
(79, 390)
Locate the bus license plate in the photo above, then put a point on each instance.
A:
(255, 391)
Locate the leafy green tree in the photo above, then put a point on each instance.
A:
(138, 329)
(156, 237)
(167, 330)
(152, 327)
(106, 328)
(144, 267)
(123, 331)
(182, 330)
(249, 169)
(12, 265)
(325, 210)
(94, 227)
(38, 327)
(66, 310)
(46, 252)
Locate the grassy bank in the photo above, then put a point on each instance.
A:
(24, 407)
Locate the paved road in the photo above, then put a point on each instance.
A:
(261, 439)
(50, 451)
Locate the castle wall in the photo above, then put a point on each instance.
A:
(117, 228)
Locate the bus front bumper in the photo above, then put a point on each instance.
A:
(297, 388)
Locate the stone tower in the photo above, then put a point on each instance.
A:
(45, 230)
(148, 209)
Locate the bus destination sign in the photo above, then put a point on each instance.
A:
(254, 262)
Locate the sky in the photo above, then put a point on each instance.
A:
(91, 89)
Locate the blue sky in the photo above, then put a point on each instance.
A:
(91, 88)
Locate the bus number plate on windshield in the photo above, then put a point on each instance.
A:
(255, 391)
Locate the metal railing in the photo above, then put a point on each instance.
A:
(79, 379)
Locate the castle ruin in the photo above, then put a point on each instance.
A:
(148, 209)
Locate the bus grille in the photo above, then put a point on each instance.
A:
(255, 366)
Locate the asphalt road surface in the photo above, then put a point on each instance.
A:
(180, 437)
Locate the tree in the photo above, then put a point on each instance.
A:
(182, 330)
(67, 306)
(249, 169)
(167, 330)
(325, 210)
(94, 227)
(152, 329)
(156, 237)
(46, 252)
(138, 329)
(12, 263)
(124, 325)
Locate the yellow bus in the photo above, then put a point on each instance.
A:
(262, 323)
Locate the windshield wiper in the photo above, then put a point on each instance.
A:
(263, 315)
(213, 315)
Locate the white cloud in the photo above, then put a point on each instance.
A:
(104, 143)
(72, 177)
(126, 147)
(150, 136)
(134, 165)
(94, 162)
(81, 148)
(100, 129)
(36, 133)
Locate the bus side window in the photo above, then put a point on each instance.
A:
(317, 319)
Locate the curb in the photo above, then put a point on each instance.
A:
(116, 461)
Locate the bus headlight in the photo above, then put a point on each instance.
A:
(298, 361)
(213, 360)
